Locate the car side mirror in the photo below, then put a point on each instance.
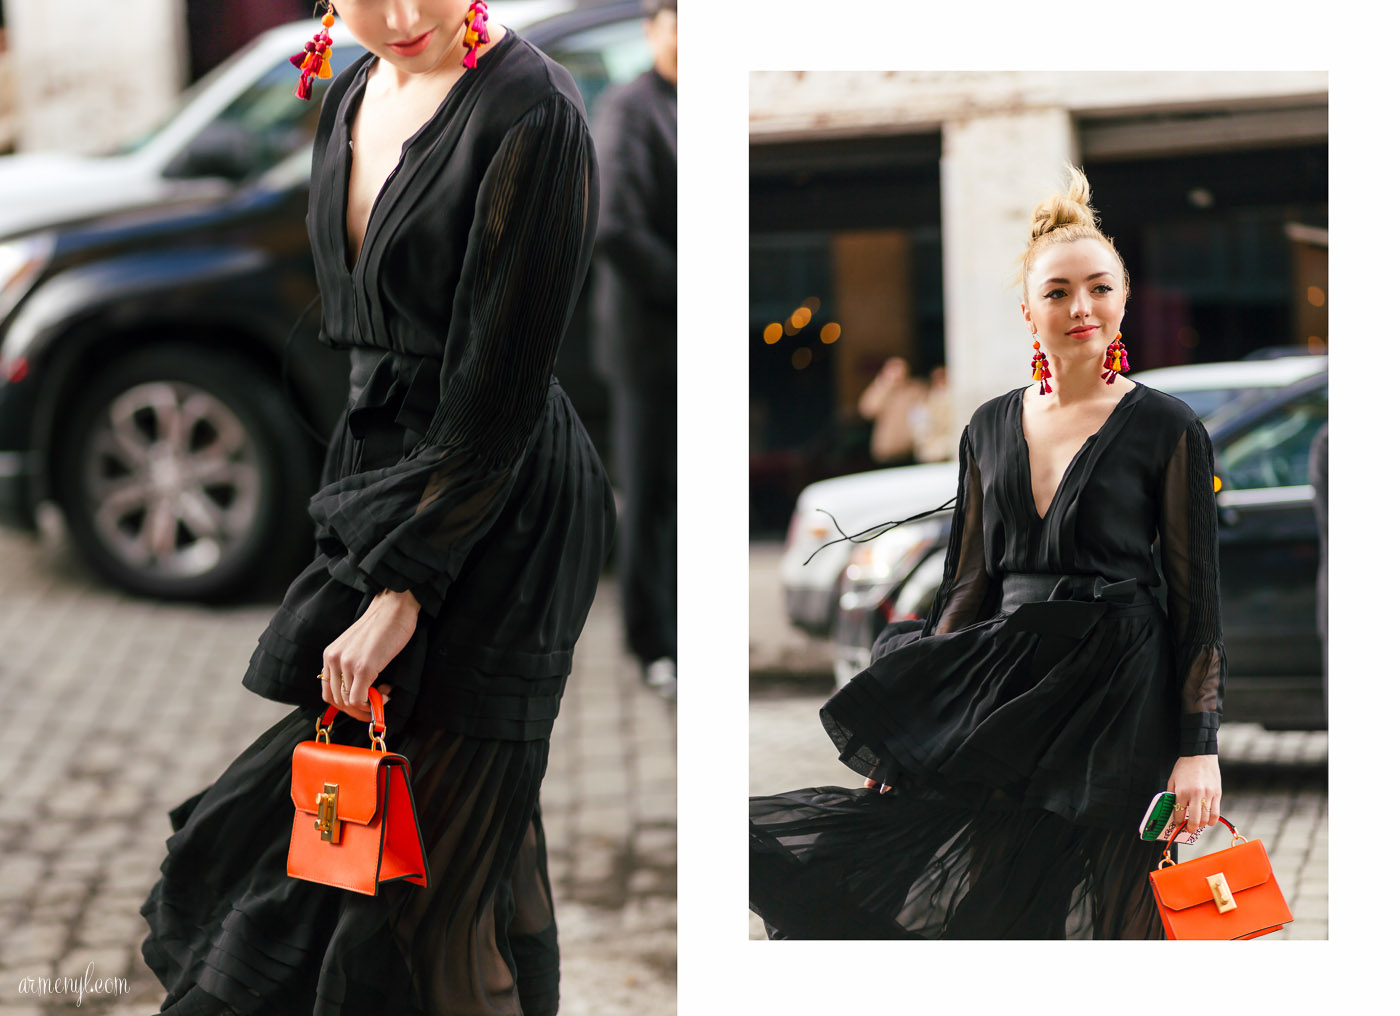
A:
(221, 150)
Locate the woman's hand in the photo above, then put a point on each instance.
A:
(365, 649)
(870, 784)
(1195, 781)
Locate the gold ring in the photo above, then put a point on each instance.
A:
(322, 676)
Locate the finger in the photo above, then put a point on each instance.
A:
(869, 783)
(885, 788)
(1199, 811)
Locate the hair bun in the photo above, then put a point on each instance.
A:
(1070, 208)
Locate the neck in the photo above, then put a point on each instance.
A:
(1077, 379)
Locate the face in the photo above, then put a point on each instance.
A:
(413, 35)
(661, 36)
(1075, 299)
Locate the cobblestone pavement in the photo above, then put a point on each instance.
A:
(1275, 790)
(117, 709)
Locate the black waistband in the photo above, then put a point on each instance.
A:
(1030, 587)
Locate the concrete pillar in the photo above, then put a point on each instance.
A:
(90, 74)
(995, 169)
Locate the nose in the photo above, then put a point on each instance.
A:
(401, 15)
(1080, 305)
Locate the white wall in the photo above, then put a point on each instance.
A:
(89, 74)
(807, 104)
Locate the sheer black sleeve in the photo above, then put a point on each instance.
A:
(412, 525)
(1190, 564)
(962, 595)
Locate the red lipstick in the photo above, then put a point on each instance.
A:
(413, 46)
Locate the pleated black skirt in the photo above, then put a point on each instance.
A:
(231, 933)
(1022, 762)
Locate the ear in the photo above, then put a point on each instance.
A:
(1026, 315)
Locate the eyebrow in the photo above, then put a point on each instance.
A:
(1087, 278)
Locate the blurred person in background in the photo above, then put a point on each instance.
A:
(461, 528)
(911, 416)
(1012, 741)
(635, 308)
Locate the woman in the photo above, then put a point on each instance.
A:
(1015, 739)
(461, 526)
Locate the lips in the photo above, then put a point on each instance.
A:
(1083, 330)
(413, 46)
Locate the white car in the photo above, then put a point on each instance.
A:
(811, 590)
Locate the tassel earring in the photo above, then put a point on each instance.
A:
(314, 61)
(476, 32)
(1040, 369)
(1115, 359)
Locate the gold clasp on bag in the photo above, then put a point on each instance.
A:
(326, 821)
(1220, 889)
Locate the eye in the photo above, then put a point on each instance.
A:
(1054, 294)
(1103, 287)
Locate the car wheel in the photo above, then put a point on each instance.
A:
(182, 474)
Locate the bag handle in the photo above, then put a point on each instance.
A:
(377, 728)
(1235, 838)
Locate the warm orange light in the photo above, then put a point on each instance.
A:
(812, 303)
(801, 358)
(772, 333)
(1316, 296)
(831, 331)
(800, 317)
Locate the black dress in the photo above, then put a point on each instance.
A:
(1028, 722)
(459, 471)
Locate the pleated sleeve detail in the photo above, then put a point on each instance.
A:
(1190, 564)
(962, 596)
(412, 525)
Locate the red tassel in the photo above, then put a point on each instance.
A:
(304, 87)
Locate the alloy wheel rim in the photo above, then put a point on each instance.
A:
(171, 479)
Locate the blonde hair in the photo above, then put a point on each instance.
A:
(1064, 218)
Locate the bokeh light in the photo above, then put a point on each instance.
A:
(831, 331)
(772, 333)
(801, 358)
(1316, 296)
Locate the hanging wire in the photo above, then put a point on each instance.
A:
(884, 527)
(306, 425)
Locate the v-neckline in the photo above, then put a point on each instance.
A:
(1029, 485)
(351, 106)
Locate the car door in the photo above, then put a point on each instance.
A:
(1269, 539)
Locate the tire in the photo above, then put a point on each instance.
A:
(182, 475)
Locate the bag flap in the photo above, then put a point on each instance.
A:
(1244, 866)
(355, 772)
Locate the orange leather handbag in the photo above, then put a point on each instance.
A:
(1230, 894)
(354, 825)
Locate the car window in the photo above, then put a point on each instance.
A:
(259, 128)
(609, 54)
(1274, 453)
